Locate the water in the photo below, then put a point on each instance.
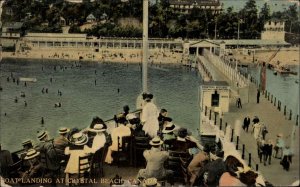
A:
(283, 87)
(175, 88)
(275, 5)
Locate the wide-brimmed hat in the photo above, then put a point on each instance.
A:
(130, 116)
(32, 153)
(98, 128)
(26, 143)
(156, 141)
(79, 138)
(63, 130)
(279, 135)
(169, 128)
(151, 182)
(41, 134)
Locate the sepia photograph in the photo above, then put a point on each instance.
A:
(149, 93)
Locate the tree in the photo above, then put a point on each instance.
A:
(264, 16)
(248, 20)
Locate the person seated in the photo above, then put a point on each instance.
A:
(36, 168)
(161, 117)
(5, 161)
(100, 139)
(155, 159)
(237, 174)
(61, 142)
(77, 148)
(97, 120)
(198, 162)
(182, 143)
(168, 131)
(121, 131)
(46, 147)
(27, 144)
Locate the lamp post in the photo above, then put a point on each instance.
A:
(238, 36)
(145, 45)
(216, 23)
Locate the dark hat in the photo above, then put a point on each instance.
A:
(182, 132)
(27, 143)
(147, 96)
(121, 120)
(168, 119)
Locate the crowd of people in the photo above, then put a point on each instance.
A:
(266, 149)
(61, 156)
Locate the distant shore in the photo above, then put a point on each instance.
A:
(106, 55)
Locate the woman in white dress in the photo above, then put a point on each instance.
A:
(149, 117)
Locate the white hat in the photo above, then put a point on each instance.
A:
(41, 134)
(130, 116)
(170, 127)
(79, 138)
(32, 153)
(156, 141)
(151, 182)
(98, 128)
(63, 130)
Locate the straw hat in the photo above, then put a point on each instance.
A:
(41, 134)
(32, 153)
(63, 130)
(98, 128)
(170, 127)
(151, 182)
(130, 116)
(79, 138)
(156, 141)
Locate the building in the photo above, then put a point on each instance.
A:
(185, 6)
(11, 33)
(91, 18)
(273, 30)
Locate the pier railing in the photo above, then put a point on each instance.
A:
(232, 74)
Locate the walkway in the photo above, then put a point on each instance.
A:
(276, 123)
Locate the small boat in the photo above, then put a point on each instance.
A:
(275, 73)
(27, 79)
(22, 94)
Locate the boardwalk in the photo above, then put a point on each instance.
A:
(276, 123)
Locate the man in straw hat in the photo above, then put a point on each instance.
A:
(61, 142)
(155, 161)
(46, 147)
(100, 139)
(36, 167)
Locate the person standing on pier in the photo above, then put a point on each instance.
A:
(246, 123)
(239, 102)
(149, 117)
(257, 96)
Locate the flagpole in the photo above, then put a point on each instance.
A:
(145, 45)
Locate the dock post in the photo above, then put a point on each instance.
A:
(266, 94)
(209, 114)
(205, 113)
(256, 167)
(290, 118)
(215, 118)
(237, 143)
(221, 123)
(275, 101)
(297, 119)
(284, 110)
(225, 128)
(271, 98)
(278, 105)
(232, 131)
(243, 152)
(249, 161)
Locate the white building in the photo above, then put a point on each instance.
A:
(273, 30)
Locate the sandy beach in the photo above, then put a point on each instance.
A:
(284, 57)
(156, 56)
